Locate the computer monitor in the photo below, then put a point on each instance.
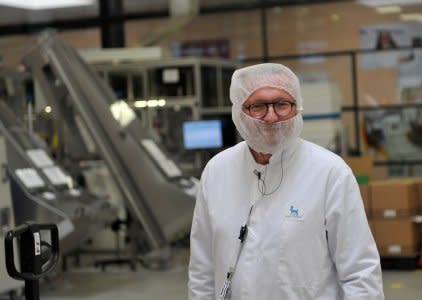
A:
(205, 134)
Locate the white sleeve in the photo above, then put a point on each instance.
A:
(201, 264)
(350, 241)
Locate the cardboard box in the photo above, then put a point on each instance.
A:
(380, 173)
(398, 236)
(361, 165)
(419, 193)
(394, 197)
(365, 192)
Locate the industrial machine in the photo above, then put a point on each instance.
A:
(165, 94)
(158, 197)
(37, 256)
(42, 191)
(7, 222)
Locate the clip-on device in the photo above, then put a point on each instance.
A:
(37, 257)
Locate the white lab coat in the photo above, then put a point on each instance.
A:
(309, 239)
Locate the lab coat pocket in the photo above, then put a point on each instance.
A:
(299, 265)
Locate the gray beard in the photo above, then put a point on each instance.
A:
(268, 138)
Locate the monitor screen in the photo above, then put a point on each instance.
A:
(205, 134)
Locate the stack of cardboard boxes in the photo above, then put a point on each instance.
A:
(394, 209)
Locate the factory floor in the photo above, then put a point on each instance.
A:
(119, 282)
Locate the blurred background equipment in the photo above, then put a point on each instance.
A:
(38, 246)
(42, 190)
(8, 286)
(166, 93)
(158, 197)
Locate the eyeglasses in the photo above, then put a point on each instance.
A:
(282, 108)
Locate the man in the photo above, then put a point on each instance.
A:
(278, 217)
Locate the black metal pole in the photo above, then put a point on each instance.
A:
(32, 290)
(30, 263)
(355, 103)
(112, 25)
(265, 55)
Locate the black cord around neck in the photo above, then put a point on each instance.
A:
(261, 179)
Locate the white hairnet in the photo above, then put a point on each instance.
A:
(262, 136)
(247, 80)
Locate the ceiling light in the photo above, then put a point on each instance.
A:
(140, 103)
(374, 3)
(152, 103)
(45, 4)
(390, 9)
(161, 102)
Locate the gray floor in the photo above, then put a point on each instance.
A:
(121, 283)
(403, 285)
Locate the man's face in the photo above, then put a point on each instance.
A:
(270, 105)
(269, 109)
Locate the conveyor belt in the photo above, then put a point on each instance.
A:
(77, 213)
(159, 204)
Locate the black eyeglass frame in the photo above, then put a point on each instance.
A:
(291, 103)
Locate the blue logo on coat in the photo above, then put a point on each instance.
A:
(294, 212)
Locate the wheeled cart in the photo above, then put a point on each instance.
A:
(38, 248)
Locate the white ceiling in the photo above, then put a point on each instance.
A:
(374, 3)
(44, 4)
(11, 16)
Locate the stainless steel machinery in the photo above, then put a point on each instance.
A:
(159, 198)
(7, 222)
(42, 191)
